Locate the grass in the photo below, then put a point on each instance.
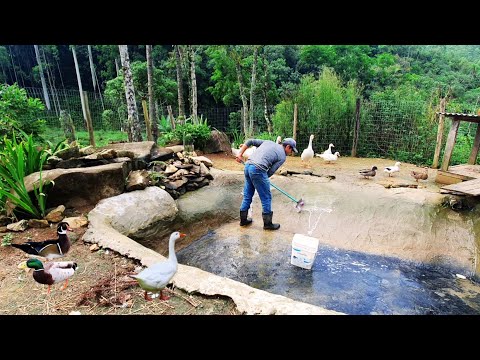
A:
(102, 137)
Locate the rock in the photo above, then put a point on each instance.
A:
(219, 142)
(21, 225)
(36, 223)
(76, 222)
(56, 215)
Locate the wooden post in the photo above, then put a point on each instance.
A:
(67, 125)
(438, 146)
(89, 120)
(356, 129)
(452, 136)
(147, 121)
(170, 115)
(295, 121)
(476, 144)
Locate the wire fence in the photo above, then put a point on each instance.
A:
(400, 130)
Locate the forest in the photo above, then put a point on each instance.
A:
(400, 87)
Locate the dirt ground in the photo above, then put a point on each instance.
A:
(101, 285)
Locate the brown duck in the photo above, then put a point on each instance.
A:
(420, 175)
(368, 172)
(49, 249)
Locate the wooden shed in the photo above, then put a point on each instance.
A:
(465, 178)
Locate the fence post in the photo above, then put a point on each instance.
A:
(295, 120)
(356, 129)
(170, 115)
(147, 121)
(89, 120)
(441, 121)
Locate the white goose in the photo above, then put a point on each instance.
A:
(157, 276)
(308, 153)
(279, 140)
(329, 157)
(329, 150)
(391, 169)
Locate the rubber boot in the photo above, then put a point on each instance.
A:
(243, 218)
(267, 222)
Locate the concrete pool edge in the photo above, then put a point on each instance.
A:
(248, 300)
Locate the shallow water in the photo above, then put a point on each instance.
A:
(346, 281)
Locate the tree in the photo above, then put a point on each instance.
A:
(193, 78)
(181, 101)
(151, 100)
(42, 77)
(133, 121)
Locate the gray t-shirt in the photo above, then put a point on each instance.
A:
(268, 156)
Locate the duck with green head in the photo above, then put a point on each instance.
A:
(49, 249)
(50, 273)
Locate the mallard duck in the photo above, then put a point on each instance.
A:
(49, 249)
(329, 150)
(329, 157)
(308, 153)
(157, 276)
(53, 271)
(368, 172)
(417, 175)
(391, 169)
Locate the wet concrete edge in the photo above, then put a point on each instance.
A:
(248, 300)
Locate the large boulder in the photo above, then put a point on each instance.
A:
(218, 143)
(82, 186)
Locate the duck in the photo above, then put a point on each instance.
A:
(391, 169)
(329, 157)
(49, 249)
(50, 273)
(369, 172)
(417, 175)
(308, 153)
(154, 278)
(329, 150)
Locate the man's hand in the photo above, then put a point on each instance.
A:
(239, 159)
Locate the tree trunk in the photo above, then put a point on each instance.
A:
(116, 66)
(181, 101)
(92, 68)
(193, 78)
(67, 125)
(80, 88)
(265, 95)
(42, 77)
(133, 120)
(51, 83)
(242, 96)
(252, 88)
(151, 100)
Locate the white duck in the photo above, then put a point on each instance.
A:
(329, 150)
(391, 169)
(308, 153)
(329, 157)
(157, 276)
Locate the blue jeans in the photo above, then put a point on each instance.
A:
(256, 179)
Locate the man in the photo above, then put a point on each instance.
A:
(261, 165)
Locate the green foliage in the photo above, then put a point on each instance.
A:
(323, 105)
(238, 139)
(108, 118)
(164, 124)
(7, 239)
(19, 112)
(197, 134)
(13, 169)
